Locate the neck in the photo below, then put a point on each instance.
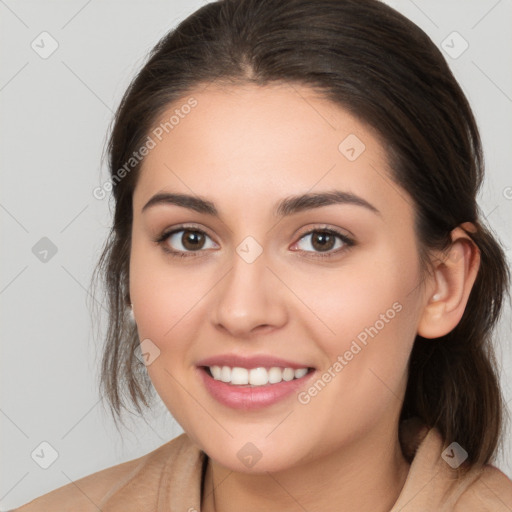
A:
(366, 476)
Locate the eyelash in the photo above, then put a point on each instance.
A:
(163, 237)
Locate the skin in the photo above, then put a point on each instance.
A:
(246, 148)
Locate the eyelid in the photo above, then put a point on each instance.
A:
(343, 233)
(166, 233)
(347, 240)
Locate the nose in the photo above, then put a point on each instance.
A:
(249, 299)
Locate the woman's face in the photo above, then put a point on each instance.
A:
(251, 272)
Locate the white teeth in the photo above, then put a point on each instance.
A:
(275, 375)
(225, 374)
(239, 375)
(255, 376)
(216, 372)
(258, 376)
(288, 374)
(300, 372)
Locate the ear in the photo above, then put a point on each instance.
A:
(453, 279)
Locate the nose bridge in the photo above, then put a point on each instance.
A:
(247, 297)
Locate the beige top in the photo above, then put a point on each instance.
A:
(170, 478)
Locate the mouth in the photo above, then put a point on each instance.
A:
(254, 388)
(255, 377)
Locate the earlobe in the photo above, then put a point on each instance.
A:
(454, 277)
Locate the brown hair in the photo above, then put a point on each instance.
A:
(383, 69)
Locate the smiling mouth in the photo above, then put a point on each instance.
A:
(255, 377)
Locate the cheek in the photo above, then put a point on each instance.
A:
(350, 298)
(367, 317)
(150, 284)
(166, 297)
(166, 302)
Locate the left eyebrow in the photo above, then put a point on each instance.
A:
(285, 207)
(294, 204)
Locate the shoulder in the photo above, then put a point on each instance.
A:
(433, 484)
(491, 491)
(87, 493)
(82, 495)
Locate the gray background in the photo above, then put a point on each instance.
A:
(56, 113)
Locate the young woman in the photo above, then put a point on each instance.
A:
(299, 267)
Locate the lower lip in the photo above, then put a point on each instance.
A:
(256, 397)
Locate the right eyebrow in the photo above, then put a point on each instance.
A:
(191, 202)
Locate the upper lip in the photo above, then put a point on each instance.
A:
(256, 361)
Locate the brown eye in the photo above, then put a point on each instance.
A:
(192, 240)
(185, 240)
(325, 241)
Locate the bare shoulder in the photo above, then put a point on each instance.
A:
(491, 491)
(85, 494)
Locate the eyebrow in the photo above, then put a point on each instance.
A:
(285, 207)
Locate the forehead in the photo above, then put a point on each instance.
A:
(268, 140)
